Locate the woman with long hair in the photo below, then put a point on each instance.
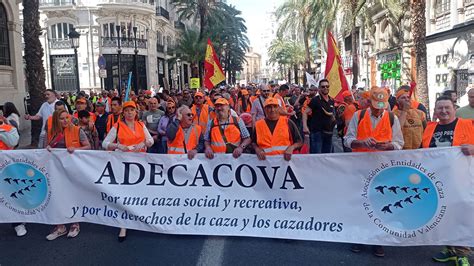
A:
(63, 134)
(11, 114)
(128, 135)
(244, 105)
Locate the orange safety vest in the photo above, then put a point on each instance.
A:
(111, 121)
(231, 133)
(381, 133)
(276, 143)
(249, 107)
(91, 114)
(253, 98)
(191, 140)
(209, 102)
(305, 105)
(7, 128)
(127, 136)
(204, 116)
(463, 133)
(71, 135)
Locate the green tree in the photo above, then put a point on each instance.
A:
(288, 54)
(35, 74)
(190, 48)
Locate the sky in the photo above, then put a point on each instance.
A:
(255, 12)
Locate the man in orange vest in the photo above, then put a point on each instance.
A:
(275, 134)
(450, 131)
(184, 137)
(225, 133)
(81, 104)
(280, 96)
(374, 129)
(114, 117)
(201, 111)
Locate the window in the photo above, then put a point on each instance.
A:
(108, 30)
(442, 7)
(60, 31)
(4, 41)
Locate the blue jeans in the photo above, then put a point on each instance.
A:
(320, 142)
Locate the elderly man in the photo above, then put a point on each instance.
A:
(450, 131)
(275, 134)
(184, 137)
(374, 129)
(201, 111)
(467, 112)
(152, 118)
(412, 121)
(226, 133)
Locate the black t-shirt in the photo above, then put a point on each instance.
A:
(294, 131)
(322, 117)
(443, 135)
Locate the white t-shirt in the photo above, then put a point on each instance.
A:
(46, 110)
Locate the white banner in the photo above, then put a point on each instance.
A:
(421, 197)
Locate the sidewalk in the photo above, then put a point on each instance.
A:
(25, 139)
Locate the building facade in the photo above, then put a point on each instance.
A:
(134, 37)
(450, 45)
(252, 68)
(12, 78)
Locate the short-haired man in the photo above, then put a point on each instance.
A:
(450, 131)
(275, 134)
(467, 112)
(201, 111)
(114, 117)
(152, 118)
(257, 110)
(184, 137)
(101, 120)
(46, 110)
(89, 129)
(280, 96)
(322, 121)
(226, 133)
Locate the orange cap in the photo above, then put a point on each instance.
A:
(401, 92)
(365, 95)
(270, 101)
(222, 101)
(379, 98)
(129, 104)
(346, 94)
(199, 94)
(244, 92)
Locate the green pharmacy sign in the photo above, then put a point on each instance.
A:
(391, 68)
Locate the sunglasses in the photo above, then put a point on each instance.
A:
(324, 87)
(170, 108)
(190, 114)
(266, 91)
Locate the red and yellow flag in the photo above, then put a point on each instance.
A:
(213, 70)
(334, 72)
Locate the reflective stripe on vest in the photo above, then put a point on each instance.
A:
(231, 132)
(176, 146)
(381, 133)
(276, 143)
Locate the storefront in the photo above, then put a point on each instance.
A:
(126, 63)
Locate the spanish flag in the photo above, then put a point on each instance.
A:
(213, 70)
(334, 72)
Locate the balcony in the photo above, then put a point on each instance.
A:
(46, 4)
(139, 6)
(111, 42)
(179, 25)
(59, 44)
(161, 12)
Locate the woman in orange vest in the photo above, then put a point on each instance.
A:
(63, 134)
(245, 105)
(275, 134)
(128, 135)
(184, 137)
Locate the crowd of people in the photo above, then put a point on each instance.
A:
(265, 120)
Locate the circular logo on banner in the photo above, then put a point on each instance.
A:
(403, 201)
(23, 187)
(403, 197)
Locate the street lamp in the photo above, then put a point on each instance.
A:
(119, 52)
(178, 63)
(366, 44)
(135, 65)
(74, 38)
